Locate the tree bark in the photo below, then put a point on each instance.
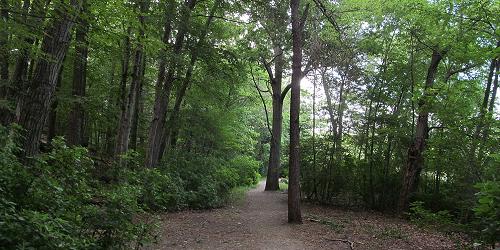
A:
(125, 125)
(52, 119)
(138, 108)
(294, 213)
(415, 158)
(273, 170)
(157, 127)
(75, 130)
(23, 75)
(36, 104)
(172, 127)
(4, 50)
(329, 103)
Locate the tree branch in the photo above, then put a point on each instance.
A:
(285, 91)
(450, 72)
(263, 101)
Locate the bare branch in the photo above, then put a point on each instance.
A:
(450, 72)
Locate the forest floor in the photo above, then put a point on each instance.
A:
(260, 222)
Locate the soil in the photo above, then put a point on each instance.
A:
(260, 222)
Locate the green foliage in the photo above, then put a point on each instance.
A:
(247, 170)
(487, 211)
(54, 203)
(442, 220)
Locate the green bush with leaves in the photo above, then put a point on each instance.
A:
(487, 211)
(423, 217)
(55, 203)
(247, 169)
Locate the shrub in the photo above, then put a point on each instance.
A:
(248, 170)
(441, 220)
(162, 191)
(487, 211)
(56, 203)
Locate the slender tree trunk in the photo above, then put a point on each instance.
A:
(157, 127)
(4, 50)
(52, 119)
(172, 128)
(75, 131)
(314, 191)
(340, 116)
(329, 103)
(415, 158)
(167, 30)
(137, 109)
(35, 107)
(294, 213)
(123, 137)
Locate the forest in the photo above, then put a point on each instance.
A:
(113, 113)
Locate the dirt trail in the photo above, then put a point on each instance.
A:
(260, 222)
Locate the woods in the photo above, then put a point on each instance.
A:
(113, 111)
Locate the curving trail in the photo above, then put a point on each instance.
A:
(260, 222)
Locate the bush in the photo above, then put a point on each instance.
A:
(441, 220)
(248, 170)
(55, 203)
(487, 211)
(162, 191)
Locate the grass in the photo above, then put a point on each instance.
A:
(237, 194)
(283, 186)
(394, 233)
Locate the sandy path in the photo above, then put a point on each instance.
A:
(260, 222)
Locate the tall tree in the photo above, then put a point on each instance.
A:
(415, 159)
(171, 130)
(35, 107)
(75, 131)
(125, 125)
(294, 213)
(157, 127)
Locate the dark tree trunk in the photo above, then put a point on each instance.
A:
(4, 50)
(52, 119)
(172, 128)
(32, 15)
(415, 158)
(75, 130)
(125, 125)
(273, 170)
(294, 213)
(167, 30)
(36, 104)
(157, 127)
(137, 110)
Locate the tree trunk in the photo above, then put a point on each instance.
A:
(172, 127)
(21, 79)
(36, 104)
(340, 116)
(272, 179)
(294, 213)
(415, 158)
(138, 107)
(125, 125)
(75, 130)
(52, 119)
(156, 130)
(4, 50)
